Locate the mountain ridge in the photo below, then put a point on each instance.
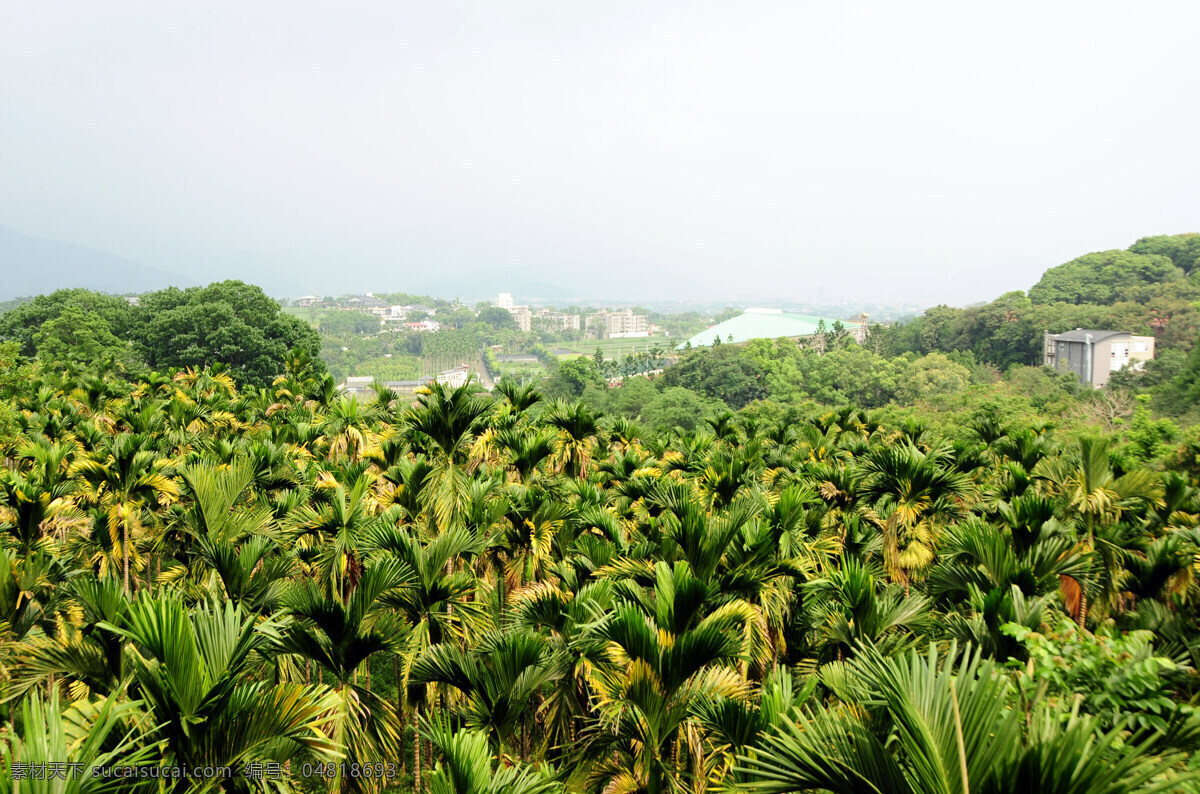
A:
(38, 266)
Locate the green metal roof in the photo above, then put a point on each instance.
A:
(760, 325)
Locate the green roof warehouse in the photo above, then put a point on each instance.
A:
(770, 324)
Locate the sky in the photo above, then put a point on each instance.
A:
(919, 152)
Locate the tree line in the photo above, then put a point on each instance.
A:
(229, 325)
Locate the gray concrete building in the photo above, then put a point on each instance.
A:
(1093, 355)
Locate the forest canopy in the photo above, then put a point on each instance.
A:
(228, 324)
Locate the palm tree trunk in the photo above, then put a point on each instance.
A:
(399, 688)
(125, 552)
(654, 778)
(400, 710)
(416, 754)
(1081, 619)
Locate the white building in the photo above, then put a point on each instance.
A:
(523, 316)
(505, 301)
(454, 377)
(557, 321)
(618, 325)
(626, 323)
(368, 302)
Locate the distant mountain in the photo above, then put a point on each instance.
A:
(35, 266)
(480, 283)
(576, 287)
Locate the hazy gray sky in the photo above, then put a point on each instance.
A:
(924, 151)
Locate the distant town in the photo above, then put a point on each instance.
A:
(544, 333)
(595, 324)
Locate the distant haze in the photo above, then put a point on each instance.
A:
(918, 151)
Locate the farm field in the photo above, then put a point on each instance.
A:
(611, 347)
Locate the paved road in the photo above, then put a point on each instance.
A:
(481, 371)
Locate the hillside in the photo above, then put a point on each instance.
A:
(1152, 288)
(37, 266)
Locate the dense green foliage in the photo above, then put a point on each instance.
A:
(13, 376)
(112, 315)
(508, 593)
(227, 324)
(719, 372)
(1104, 278)
(1182, 249)
(230, 323)
(777, 379)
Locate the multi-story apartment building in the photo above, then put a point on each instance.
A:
(1093, 355)
(557, 321)
(594, 323)
(545, 318)
(523, 316)
(617, 325)
(625, 323)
